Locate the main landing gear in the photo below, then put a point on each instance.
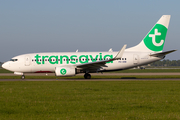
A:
(23, 77)
(87, 76)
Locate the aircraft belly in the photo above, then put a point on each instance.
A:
(45, 67)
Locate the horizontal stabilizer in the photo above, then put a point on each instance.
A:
(162, 53)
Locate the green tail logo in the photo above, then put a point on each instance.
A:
(155, 39)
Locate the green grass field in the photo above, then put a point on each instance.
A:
(4, 71)
(93, 100)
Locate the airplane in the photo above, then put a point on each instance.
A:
(71, 63)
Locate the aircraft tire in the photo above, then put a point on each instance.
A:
(22, 77)
(87, 76)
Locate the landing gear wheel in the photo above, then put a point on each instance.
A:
(87, 76)
(22, 77)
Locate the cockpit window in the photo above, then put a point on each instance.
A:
(14, 60)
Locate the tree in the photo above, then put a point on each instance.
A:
(166, 63)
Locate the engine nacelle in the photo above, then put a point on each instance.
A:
(65, 71)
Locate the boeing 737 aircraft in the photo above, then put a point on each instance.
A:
(71, 63)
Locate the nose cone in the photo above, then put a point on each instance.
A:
(5, 65)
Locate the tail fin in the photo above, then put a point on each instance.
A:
(155, 39)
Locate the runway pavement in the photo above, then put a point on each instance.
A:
(95, 74)
(88, 79)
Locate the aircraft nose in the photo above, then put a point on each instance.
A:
(5, 65)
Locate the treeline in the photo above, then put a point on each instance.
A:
(166, 63)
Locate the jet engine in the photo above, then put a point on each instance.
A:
(65, 71)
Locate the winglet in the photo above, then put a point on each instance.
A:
(120, 53)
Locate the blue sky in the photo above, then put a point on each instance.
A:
(96, 25)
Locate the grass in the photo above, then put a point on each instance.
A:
(98, 77)
(4, 71)
(93, 100)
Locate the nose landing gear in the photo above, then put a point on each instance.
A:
(23, 77)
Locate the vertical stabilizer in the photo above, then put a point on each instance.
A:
(155, 39)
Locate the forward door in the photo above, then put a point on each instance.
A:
(27, 61)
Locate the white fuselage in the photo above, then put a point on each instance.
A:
(47, 62)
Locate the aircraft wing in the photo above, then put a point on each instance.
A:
(98, 64)
(162, 53)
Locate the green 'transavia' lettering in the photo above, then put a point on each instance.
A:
(73, 59)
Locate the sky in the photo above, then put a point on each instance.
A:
(87, 25)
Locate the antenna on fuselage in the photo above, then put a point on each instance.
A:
(77, 50)
(110, 50)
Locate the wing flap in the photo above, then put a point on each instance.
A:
(93, 64)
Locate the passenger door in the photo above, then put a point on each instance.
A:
(27, 61)
(135, 59)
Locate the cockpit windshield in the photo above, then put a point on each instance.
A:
(14, 60)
